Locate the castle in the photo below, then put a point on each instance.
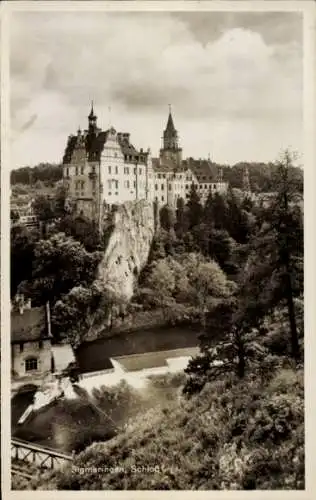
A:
(103, 168)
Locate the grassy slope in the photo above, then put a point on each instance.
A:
(233, 435)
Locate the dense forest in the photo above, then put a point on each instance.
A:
(233, 268)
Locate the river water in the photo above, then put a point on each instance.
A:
(73, 422)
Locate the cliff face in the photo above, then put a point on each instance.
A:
(128, 246)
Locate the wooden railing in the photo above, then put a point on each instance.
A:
(38, 455)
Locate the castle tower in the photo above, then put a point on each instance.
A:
(170, 151)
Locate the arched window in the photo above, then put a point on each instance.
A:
(30, 364)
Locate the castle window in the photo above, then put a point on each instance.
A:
(159, 176)
(82, 170)
(163, 176)
(205, 185)
(116, 170)
(156, 187)
(67, 172)
(134, 184)
(135, 170)
(110, 170)
(127, 184)
(169, 187)
(162, 198)
(162, 187)
(21, 347)
(30, 364)
(76, 170)
(82, 184)
(40, 344)
(116, 184)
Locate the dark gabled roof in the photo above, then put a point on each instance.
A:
(94, 144)
(29, 326)
(202, 169)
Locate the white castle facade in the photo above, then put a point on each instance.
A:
(102, 169)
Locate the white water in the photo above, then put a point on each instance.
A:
(137, 379)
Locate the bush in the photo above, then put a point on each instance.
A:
(232, 435)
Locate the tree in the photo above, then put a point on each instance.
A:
(219, 212)
(167, 218)
(76, 313)
(195, 209)
(23, 241)
(81, 229)
(238, 223)
(60, 263)
(282, 241)
(220, 247)
(181, 224)
(59, 207)
(42, 207)
(161, 282)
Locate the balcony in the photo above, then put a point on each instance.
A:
(92, 175)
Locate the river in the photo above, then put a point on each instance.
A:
(73, 422)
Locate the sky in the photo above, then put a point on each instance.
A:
(233, 79)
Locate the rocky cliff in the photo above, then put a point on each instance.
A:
(133, 228)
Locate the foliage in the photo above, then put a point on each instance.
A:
(234, 435)
(81, 310)
(43, 208)
(23, 242)
(188, 281)
(42, 172)
(60, 263)
(167, 218)
(81, 229)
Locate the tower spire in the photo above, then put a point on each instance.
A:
(92, 118)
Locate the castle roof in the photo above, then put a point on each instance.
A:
(202, 169)
(94, 145)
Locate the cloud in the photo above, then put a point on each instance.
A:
(214, 70)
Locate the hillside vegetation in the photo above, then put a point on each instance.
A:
(232, 435)
(233, 269)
